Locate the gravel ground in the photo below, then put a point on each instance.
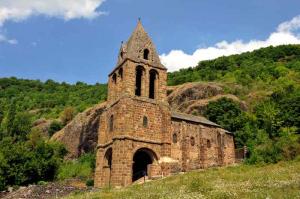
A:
(50, 190)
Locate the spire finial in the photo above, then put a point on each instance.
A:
(139, 19)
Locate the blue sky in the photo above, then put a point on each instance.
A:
(53, 42)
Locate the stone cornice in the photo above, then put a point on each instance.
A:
(126, 137)
(137, 62)
(141, 99)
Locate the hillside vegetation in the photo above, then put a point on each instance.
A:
(48, 99)
(267, 80)
(264, 69)
(277, 181)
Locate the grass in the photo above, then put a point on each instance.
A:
(281, 180)
(82, 168)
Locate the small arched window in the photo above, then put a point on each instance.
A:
(208, 144)
(192, 141)
(146, 54)
(111, 123)
(174, 138)
(121, 54)
(145, 121)
(114, 78)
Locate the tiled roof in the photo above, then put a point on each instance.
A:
(134, 47)
(193, 118)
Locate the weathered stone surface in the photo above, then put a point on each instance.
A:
(187, 98)
(80, 135)
(43, 126)
(192, 98)
(140, 135)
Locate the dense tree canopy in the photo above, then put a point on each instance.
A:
(48, 99)
(266, 64)
(25, 154)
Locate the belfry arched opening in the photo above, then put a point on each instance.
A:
(142, 159)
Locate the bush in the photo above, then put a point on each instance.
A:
(67, 115)
(89, 183)
(42, 183)
(22, 163)
(82, 168)
(54, 127)
(288, 143)
(284, 147)
(226, 113)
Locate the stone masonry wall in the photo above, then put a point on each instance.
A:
(130, 134)
(198, 146)
(125, 84)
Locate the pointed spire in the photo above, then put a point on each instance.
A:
(139, 31)
(138, 42)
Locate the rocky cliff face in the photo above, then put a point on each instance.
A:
(81, 134)
(192, 98)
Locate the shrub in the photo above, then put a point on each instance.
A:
(67, 115)
(284, 147)
(22, 163)
(54, 127)
(89, 183)
(42, 183)
(82, 168)
(288, 143)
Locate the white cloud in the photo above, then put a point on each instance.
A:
(289, 26)
(285, 34)
(4, 39)
(18, 10)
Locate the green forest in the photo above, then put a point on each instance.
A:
(268, 80)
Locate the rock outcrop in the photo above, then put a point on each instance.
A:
(42, 125)
(192, 98)
(81, 134)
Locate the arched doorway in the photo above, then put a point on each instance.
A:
(107, 166)
(141, 159)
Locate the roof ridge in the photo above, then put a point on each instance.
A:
(190, 117)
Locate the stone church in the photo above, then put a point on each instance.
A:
(140, 135)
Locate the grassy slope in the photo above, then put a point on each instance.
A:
(280, 180)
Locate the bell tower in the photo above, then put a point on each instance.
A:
(135, 127)
(139, 72)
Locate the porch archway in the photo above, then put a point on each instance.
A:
(142, 158)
